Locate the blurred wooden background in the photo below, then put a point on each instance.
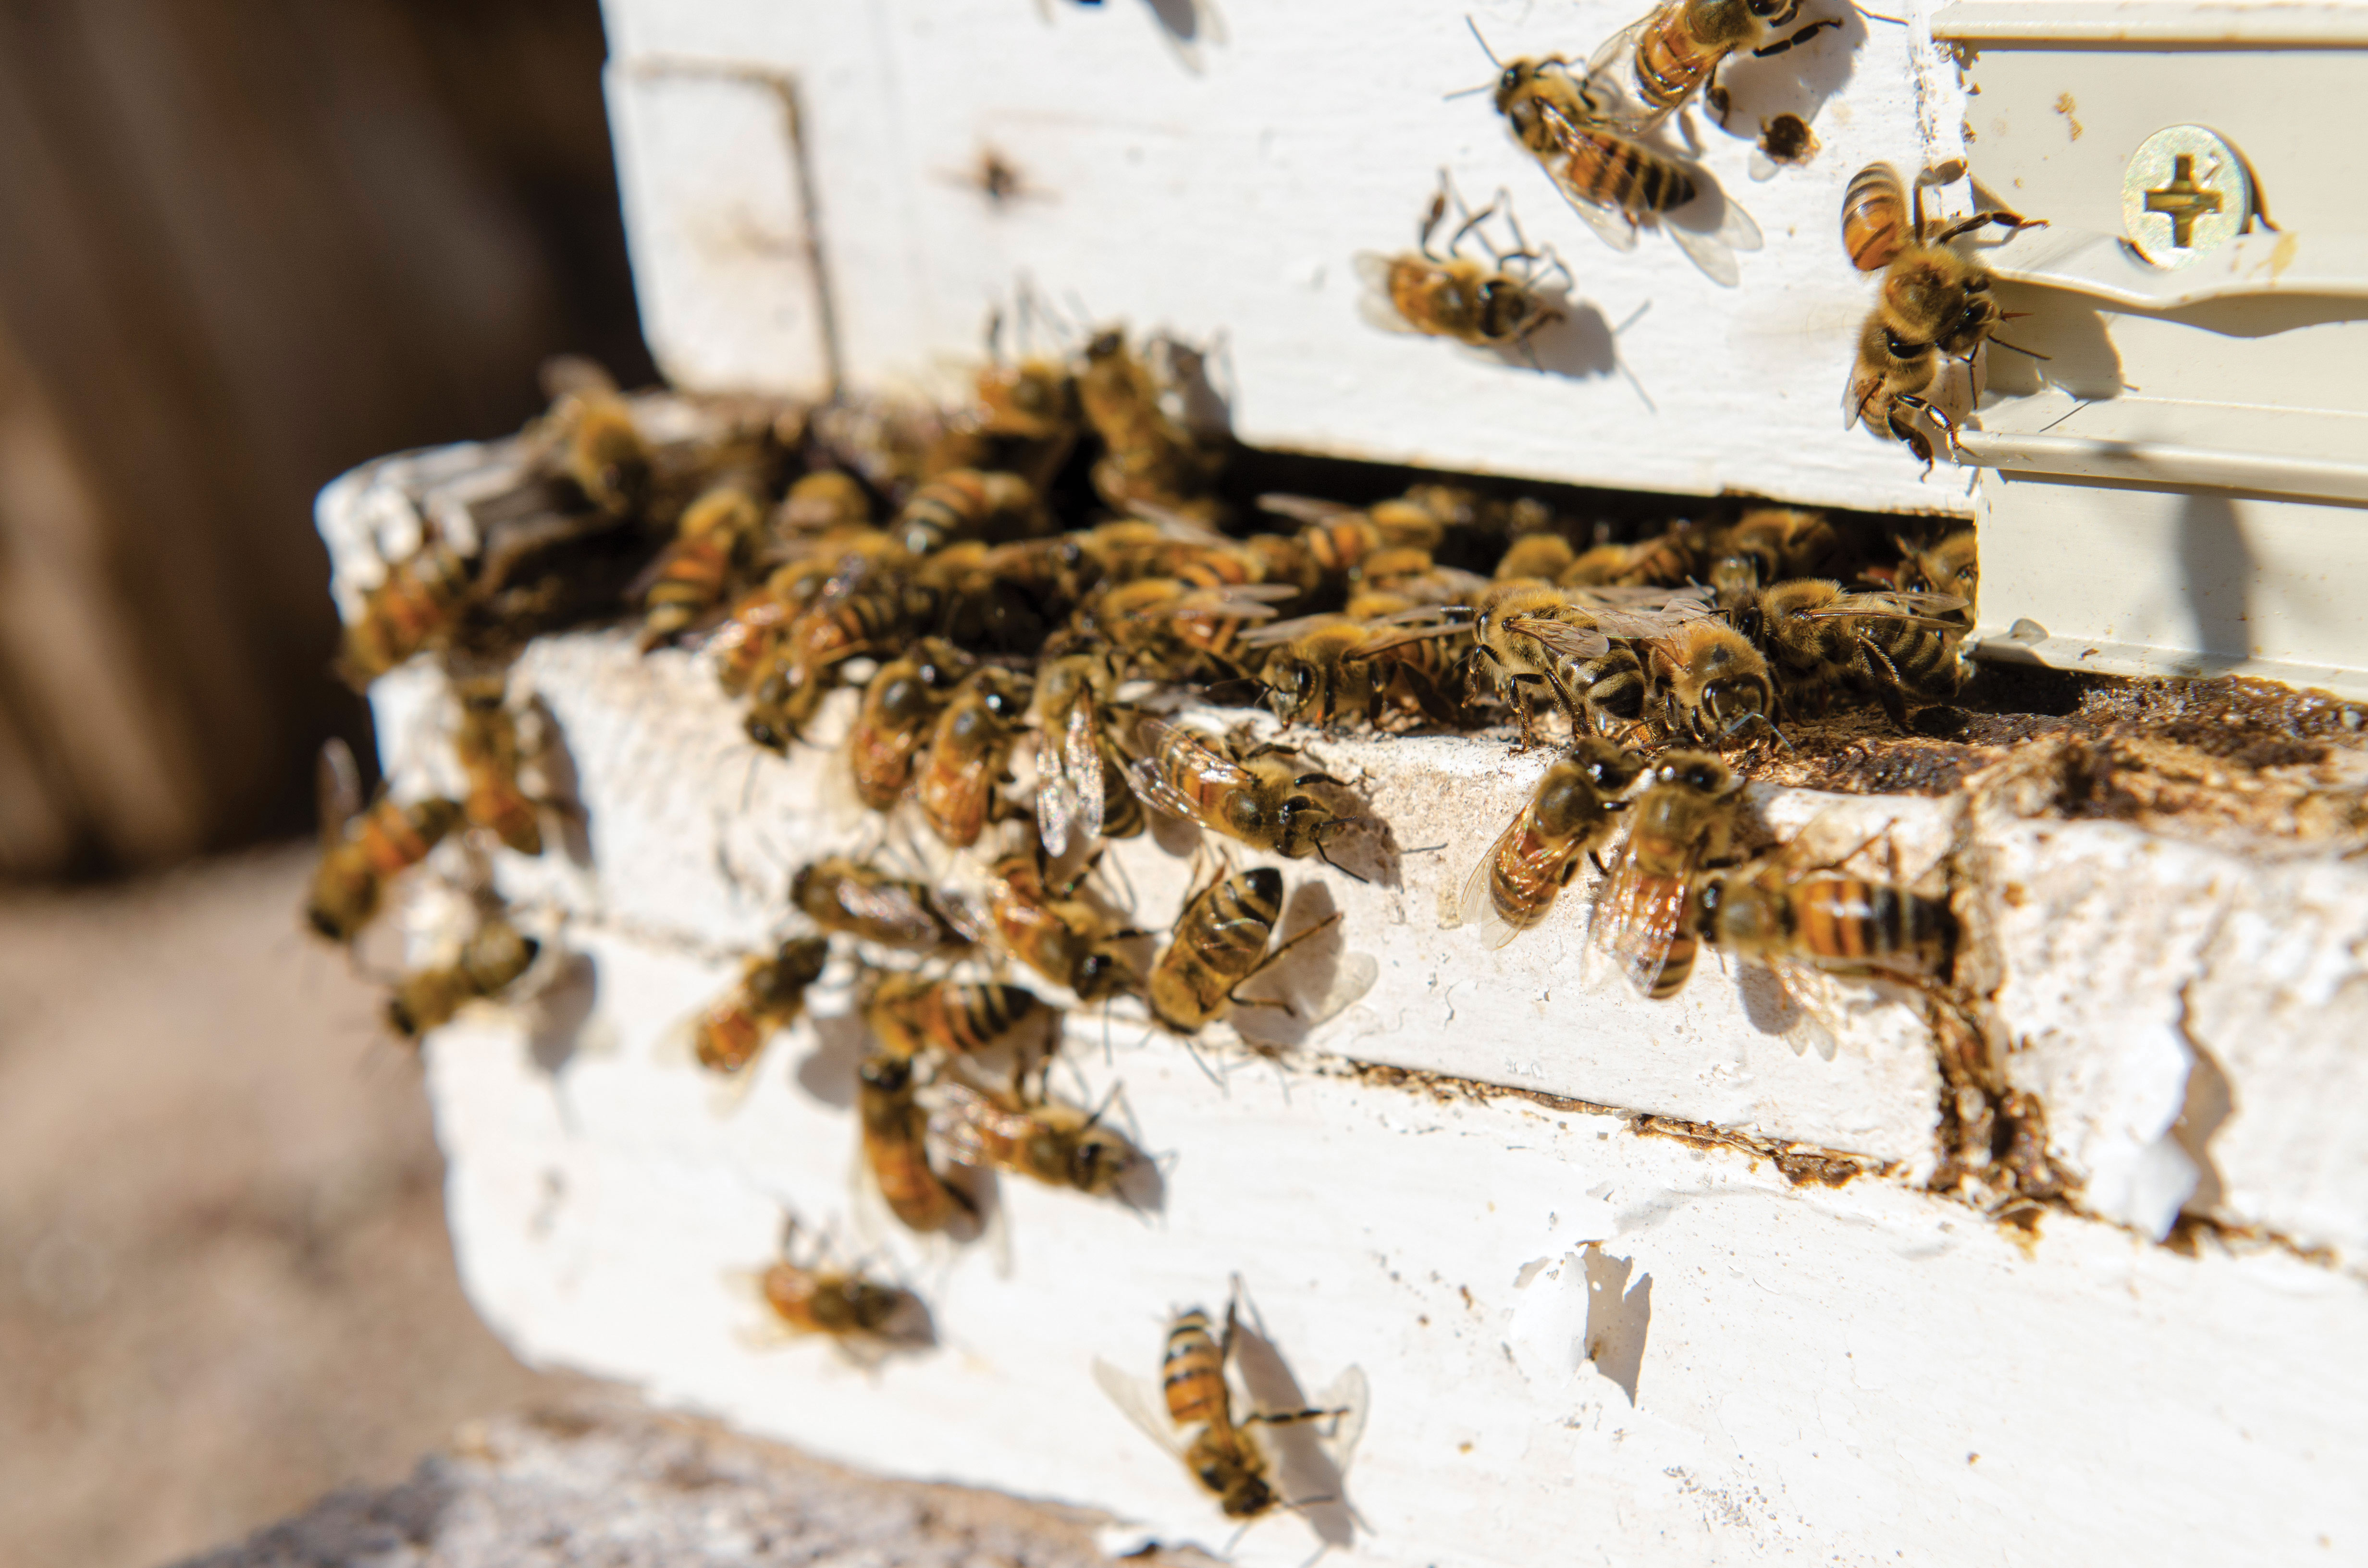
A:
(244, 245)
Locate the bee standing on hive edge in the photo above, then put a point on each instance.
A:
(844, 895)
(490, 750)
(1780, 911)
(894, 1149)
(769, 996)
(1684, 822)
(1054, 931)
(1192, 1414)
(1572, 814)
(969, 751)
(1496, 305)
(1219, 944)
(1611, 180)
(362, 851)
(1058, 1144)
(1255, 796)
(1658, 63)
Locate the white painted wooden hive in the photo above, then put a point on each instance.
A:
(1661, 1282)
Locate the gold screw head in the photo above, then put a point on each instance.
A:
(2185, 191)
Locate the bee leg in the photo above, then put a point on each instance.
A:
(1804, 36)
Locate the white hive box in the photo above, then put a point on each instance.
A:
(1656, 1284)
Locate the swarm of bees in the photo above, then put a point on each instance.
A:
(994, 617)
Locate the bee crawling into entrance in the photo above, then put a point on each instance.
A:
(1234, 1459)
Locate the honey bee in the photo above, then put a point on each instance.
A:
(1218, 946)
(1537, 558)
(1257, 796)
(1768, 544)
(1683, 822)
(969, 754)
(1667, 559)
(1571, 815)
(1167, 628)
(1890, 389)
(591, 432)
(1778, 911)
(493, 957)
(1712, 685)
(1148, 455)
(1949, 567)
(487, 746)
(965, 505)
(362, 851)
(908, 1016)
(691, 574)
(844, 895)
(900, 707)
(1192, 1414)
(836, 1303)
(1891, 643)
(1494, 304)
(1081, 788)
(1660, 63)
(846, 621)
(1530, 638)
(823, 502)
(1058, 1144)
(416, 607)
(894, 1150)
(1333, 669)
(1612, 181)
(1054, 931)
(770, 993)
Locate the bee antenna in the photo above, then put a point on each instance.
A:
(1879, 16)
(1482, 42)
(2034, 353)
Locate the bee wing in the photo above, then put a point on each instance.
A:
(1157, 794)
(1305, 509)
(1374, 307)
(1275, 631)
(1857, 392)
(893, 906)
(1649, 623)
(960, 1122)
(1479, 906)
(337, 782)
(1056, 799)
(1348, 1394)
(1637, 916)
(1914, 608)
(1159, 734)
(1081, 761)
(1142, 1404)
(1610, 76)
(1614, 227)
(1574, 640)
(964, 914)
(1239, 601)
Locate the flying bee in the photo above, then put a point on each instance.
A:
(1661, 61)
(488, 747)
(909, 1016)
(1081, 787)
(416, 607)
(1572, 814)
(1683, 822)
(1612, 181)
(895, 1146)
(493, 957)
(823, 502)
(900, 709)
(362, 851)
(589, 437)
(1894, 644)
(1148, 455)
(1218, 946)
(967, 503)
(1058, 1144)
(1768, 544)
(1712, 685)
(969, 751)
(1494, 304)
(1052, 931)
(1192, 1414)
(844, 895)
(1257, 796)
(768, 997)
(1776, 910)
